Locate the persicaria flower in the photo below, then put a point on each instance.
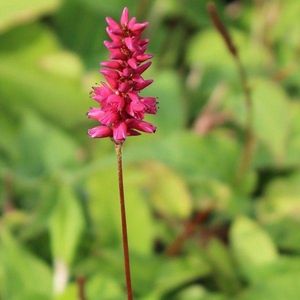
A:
(122, 108)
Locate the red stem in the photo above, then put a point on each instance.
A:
(249, 144)
(189, 229)
(81, 288)
(124, 223)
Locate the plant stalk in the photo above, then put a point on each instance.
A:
(118, 148)
(81, 288)
(249, 144)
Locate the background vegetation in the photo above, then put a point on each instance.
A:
(196, 232)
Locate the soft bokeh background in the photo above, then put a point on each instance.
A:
(195, 231)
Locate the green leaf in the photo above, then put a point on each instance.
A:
(279, 209)
(179, 271)
(66, 226)
(247, 237)
(169, 195)
(70, 293)
(223, 267)
(28, 43)
(271, 114)
(25, 276)
(29, 49)
(198, 293)
(105, 286)
(282, 286)
(292, 156)
(16, 12)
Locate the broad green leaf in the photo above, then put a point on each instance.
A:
(292, 156)
(179, 271)
(289, 12)
(285, 232)
(169, 194)
(252, 247)
(105, 286)
(66, 226)
(222, 267)
(198, 293)
(28, 44)
(15, 12)
(25, 276)
(40, 88)
(281, 200)
(279, 210)
(70, 293)
(282, 286)
(62, 64)
(271, 115)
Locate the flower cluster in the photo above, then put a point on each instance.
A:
(122, 108)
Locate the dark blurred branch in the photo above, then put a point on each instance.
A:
(249, 144)
(81, 288)
(211, 7)
(189, 229)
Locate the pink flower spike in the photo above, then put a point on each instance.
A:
(138, 27)
(143, 57)
(141, 126)
(100, 93)
(100, 132)
(132, 63)
(113, 64)
(112, 45)
(95, 113)
(124, 17)
(117, 54)
(110, 73)
(116, 101)
(141, 84)
(113, 25)
(144, 67)
(114, 37)
(131, 23)
(122, 109)
(120, 132)
(133, 132)
(109, 117)
(130, 44)
(150, 104)
(124, 87)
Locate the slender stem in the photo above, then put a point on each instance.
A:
(248, 149)
(81, 288)
(249, 137)
(118, 148)
(189, 229)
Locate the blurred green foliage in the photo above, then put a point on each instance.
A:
(195, 231)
